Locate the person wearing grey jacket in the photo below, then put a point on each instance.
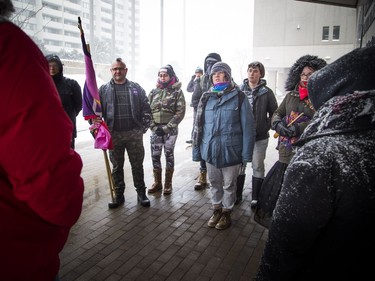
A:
(224, 136)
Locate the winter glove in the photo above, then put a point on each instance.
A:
(282, 130)
(159, 132)
(295, 130)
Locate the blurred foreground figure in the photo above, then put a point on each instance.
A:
(41, 190)
(323, 226)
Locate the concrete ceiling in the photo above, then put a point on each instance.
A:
(343, 3)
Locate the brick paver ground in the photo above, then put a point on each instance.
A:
(169, 240)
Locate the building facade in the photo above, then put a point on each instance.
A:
(298, 28)
(365, 27)
(111, 27)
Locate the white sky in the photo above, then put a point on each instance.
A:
(220, 26)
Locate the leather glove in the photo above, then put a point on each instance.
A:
(282, 130)
(295, 130)
(159, 132)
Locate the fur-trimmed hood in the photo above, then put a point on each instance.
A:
(295, 71)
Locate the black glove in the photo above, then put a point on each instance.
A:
(282, 130)
(295, 130)
(159, 132)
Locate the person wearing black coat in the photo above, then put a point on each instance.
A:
(194, 81)
(289, 121)
(263, 103)
(323, 226)
(69, 91)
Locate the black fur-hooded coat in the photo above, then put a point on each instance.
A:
(292, 103)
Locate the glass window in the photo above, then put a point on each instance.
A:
(325, 33)
(336, 32)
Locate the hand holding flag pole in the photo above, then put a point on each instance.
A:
(92, 111)
(276, 135)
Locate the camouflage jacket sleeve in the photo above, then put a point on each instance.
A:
(180, 108)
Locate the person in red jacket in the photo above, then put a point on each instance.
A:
(41, 190)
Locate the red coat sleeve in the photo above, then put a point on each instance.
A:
(35, 132)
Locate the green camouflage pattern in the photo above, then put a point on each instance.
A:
(167, 107)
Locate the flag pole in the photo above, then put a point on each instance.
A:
(113, 203)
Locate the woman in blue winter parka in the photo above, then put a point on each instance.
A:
(224, 136)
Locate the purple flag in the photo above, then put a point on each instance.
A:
(91, 101)
(91, 106)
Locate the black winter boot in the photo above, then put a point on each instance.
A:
(142, 198)
(119, 198)
(256, 185)
(240, 185)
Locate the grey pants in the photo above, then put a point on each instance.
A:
(223, 185)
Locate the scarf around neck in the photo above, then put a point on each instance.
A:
(303, 92)
(161, 85)
(199, 118)
(219, 87)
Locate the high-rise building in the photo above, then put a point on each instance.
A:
(111, 26)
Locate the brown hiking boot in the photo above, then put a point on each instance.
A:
(214, 218)
(225, 221)
(202, 181)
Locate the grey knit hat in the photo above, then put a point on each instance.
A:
(221, 66)
(199, 70)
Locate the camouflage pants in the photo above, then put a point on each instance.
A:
(167, 141)
(132, 141)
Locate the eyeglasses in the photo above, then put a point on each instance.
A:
(118, 69)
(307, 75)
(163, 75)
